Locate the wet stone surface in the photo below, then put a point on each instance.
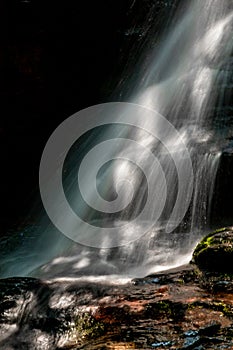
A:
(182, 308)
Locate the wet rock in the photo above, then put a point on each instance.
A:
(191, 342)
(215, 251)
(210, 330)
(177, 311)
(223, 285)
(161, 344)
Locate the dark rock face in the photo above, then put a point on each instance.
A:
(221, 211)
(215, 251)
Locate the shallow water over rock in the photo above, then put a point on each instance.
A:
(177, 309)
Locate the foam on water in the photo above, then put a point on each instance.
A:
(184, 81)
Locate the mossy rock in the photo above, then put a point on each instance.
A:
(215, 251)
(87, 327)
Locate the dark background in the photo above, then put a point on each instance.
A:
(56, 58)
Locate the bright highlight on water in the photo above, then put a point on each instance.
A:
(183, 81)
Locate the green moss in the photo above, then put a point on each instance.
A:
(180, 281)
(226, 309)
(195, 305)
(86, 327)
(215, 251)
(209, 240)
(206, 242)
(166, 308)
(220, 230)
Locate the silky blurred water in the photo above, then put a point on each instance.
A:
(184, 79)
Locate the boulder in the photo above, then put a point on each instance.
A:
(215, 251)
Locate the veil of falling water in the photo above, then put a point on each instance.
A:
(183, 78)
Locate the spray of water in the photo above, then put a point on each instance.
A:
(183, 79)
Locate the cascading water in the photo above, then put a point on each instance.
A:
(183, 81)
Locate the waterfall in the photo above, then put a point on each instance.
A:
(183, 80)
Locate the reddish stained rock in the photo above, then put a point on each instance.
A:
(177, 309)
(169, 314)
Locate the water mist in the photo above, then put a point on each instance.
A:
(183, 79)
